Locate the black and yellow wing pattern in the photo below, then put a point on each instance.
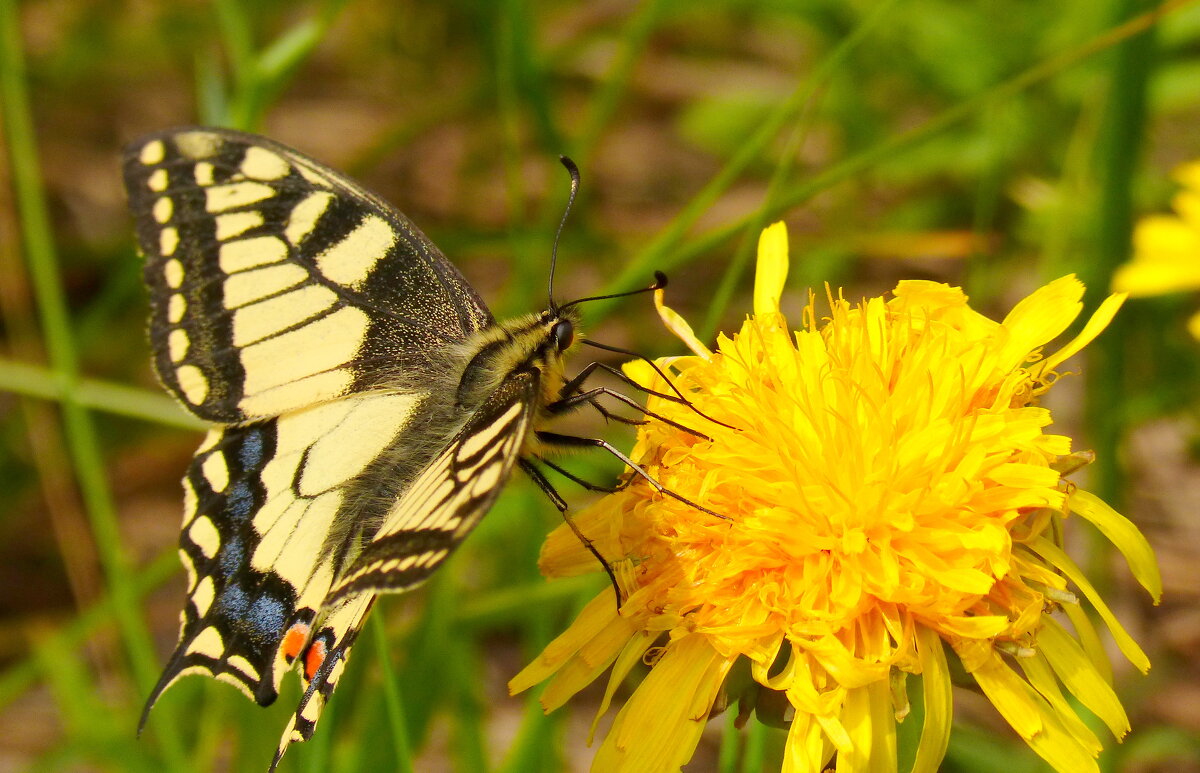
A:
(366, 408)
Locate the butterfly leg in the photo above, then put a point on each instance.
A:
(575, 385)
(572, 441)
(589, 396)
(584, 483)
(574, 388)
(548, 489)
(572, 395)
(677, 397)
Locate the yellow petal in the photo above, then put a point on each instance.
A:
(939, 712)
(1188, 175)
(761, 670)
(1187, 204)
(883, 722)
(679, 326)
(641, 372)
(658, 728)
(1093, 328)
(633, 653)
(868, 719)
(1090, 640)
(805, 748)
(1032, 718)
(1041, 677)
(1144, 277)
(598, 616)
(1061, 561)
(978, 627)
(1019, 475)
(1164, 240)
(842, 665)
(1075, 670)
(772, 270)
(1040, 317)
(1011, 696)
(591, 660)
(1121, 532)
(1193, 326)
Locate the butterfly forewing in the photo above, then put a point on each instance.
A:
(277, 283)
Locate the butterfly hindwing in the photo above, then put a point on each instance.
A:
(323, 661)
(271, 509)
(449, 497)
(277, 283)
(422, 528)
(219, 502)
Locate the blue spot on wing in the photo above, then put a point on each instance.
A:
(232, 557)
(251, 453)
(267, 615)
(239, 501)
(233, 601)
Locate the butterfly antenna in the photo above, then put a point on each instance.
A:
(660, 281)
(574, 172)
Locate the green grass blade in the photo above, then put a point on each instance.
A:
(615, 84)
(19, 678)
(237, 37)
(806, 97)
(55, 319)
(664, 254)
(731, 743)
(1121, 139)
(393, 700)
(117, 399)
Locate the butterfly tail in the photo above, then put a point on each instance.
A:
(322, 663)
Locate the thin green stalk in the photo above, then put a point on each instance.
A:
(1118, 149)
(276, 64)
(663, 253)
(731, 743)
(238, 41)
(56, 324)
(748, 151)
(806, 96)
(756, 747)
(259, 75)
(93, 394)
(393, 700)
(615, 84)
(52, 305)
(19, 678)
(466, 671)
(525, 274)
(212, 95)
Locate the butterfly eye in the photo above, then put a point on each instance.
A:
(564, 334)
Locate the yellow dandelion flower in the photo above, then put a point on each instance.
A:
(890, 489)
(1166, 248)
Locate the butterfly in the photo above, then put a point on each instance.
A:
(366, 408)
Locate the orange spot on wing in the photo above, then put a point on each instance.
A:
(294, 639)
(314, 658)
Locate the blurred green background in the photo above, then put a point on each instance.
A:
(994, 145)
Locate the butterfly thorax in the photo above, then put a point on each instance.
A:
(535, 343)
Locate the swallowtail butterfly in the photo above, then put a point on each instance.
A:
(366, 407)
